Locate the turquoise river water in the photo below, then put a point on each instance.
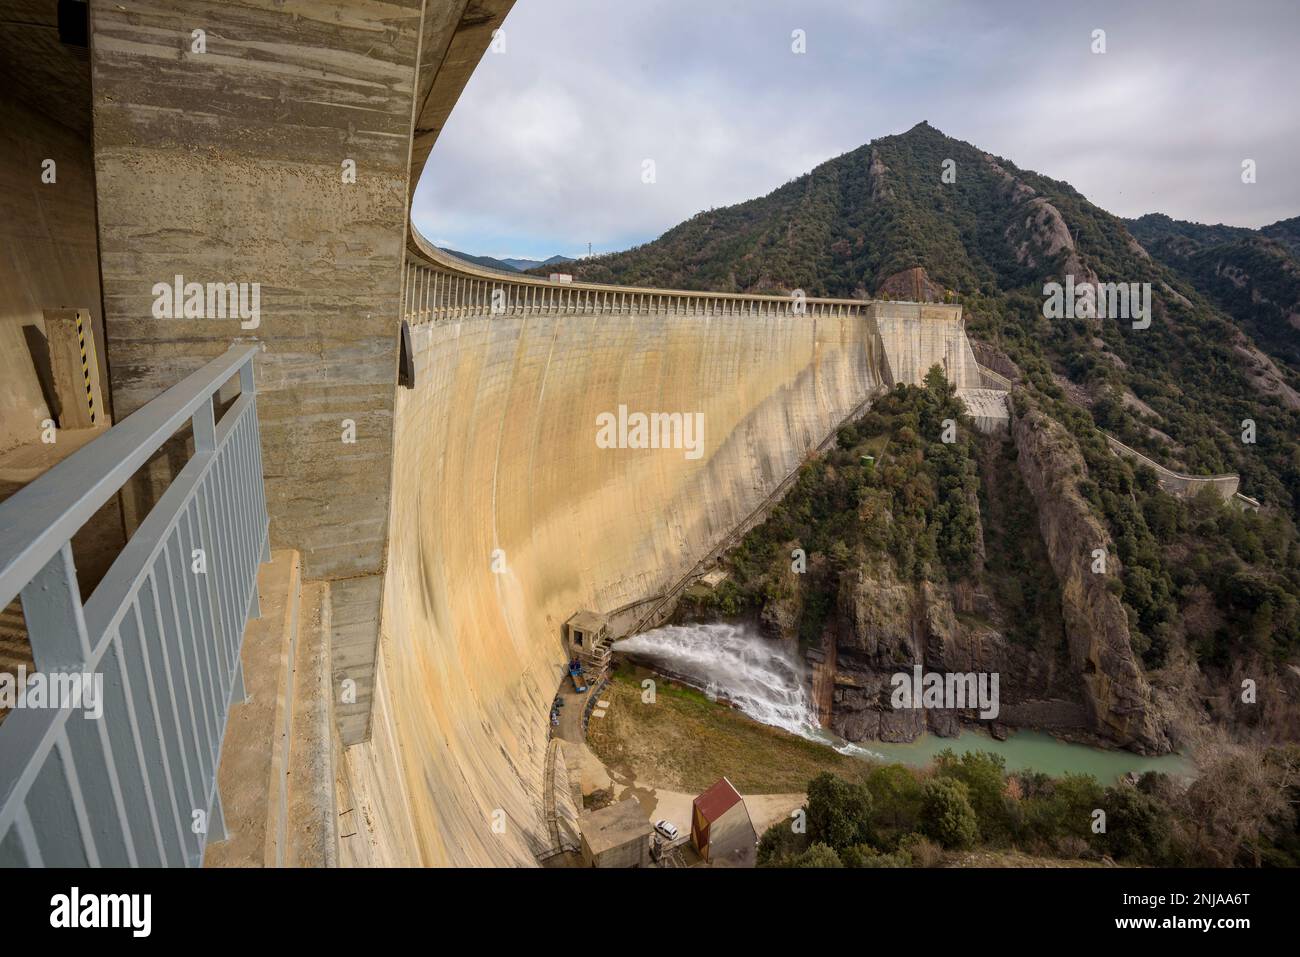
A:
(761, 679)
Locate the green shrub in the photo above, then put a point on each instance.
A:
(864, 855)
(946, 814)
(839, 812)
(1137, 826)
(780, 842)
(819, 855)
(984, 775)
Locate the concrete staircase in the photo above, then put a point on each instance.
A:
(276, 776)
(597, 656)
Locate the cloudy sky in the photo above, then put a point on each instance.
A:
(545, 150)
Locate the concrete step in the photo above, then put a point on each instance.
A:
(252, 777)
(277, 775)
(311, 828)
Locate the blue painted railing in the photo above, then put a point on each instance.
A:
(162, 631)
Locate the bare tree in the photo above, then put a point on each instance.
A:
(1242, 792)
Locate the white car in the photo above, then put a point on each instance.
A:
(667, 829)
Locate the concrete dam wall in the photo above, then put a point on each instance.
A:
(495, 449)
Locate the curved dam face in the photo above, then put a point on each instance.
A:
(497, 466)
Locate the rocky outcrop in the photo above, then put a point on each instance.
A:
(779, 618)
(1263, 372)
(821, 664)
(879, 187)
(1037, 231)
(1115, 690)
(876, 638)
(991, 357)
(884, 626)
(911, 285)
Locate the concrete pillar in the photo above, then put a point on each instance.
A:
(224, 140)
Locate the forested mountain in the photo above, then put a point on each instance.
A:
(523, 265)
(1253, 275)
(1179, 389)
(507, 265)
(1286, 232)
(1208, 386)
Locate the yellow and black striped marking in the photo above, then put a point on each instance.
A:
(85, 368)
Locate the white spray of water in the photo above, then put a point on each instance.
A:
(754, 674)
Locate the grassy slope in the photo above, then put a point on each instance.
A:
(685, 742)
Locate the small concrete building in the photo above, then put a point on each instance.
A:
(721, 830)
(707, 583)
(584, 631)
(616, 836)
(587, 639)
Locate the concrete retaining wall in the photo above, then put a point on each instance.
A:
(917, 336)
(1175, 482)
(228, 164)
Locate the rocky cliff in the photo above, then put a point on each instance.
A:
(1117, 695)
(921, 553)
(884, 626)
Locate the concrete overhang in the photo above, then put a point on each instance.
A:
(456, 35)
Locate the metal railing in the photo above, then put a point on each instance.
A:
(998, 380)
(138, 785)
(437, 286)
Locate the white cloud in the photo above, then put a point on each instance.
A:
(543, 153)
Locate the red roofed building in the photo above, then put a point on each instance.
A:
(721, 829)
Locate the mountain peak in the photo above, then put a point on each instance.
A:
(922, 130)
